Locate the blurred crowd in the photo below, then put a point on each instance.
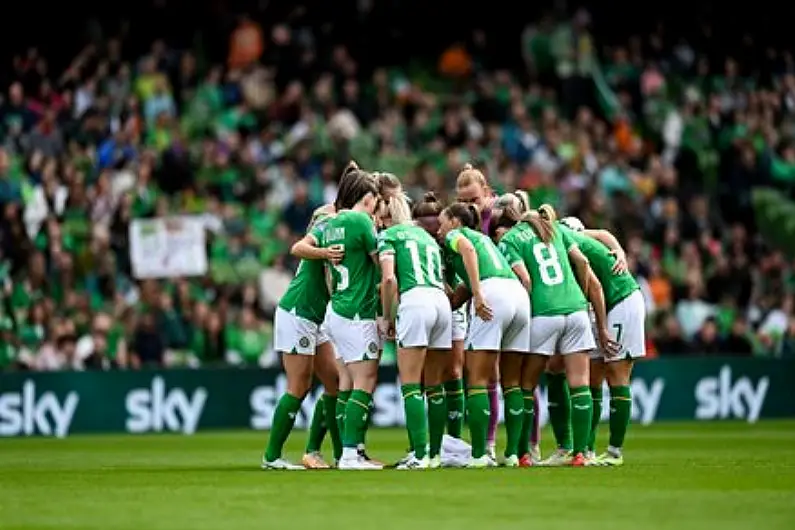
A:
(651, 139)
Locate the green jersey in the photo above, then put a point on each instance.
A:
(307, 295)
(616, 287)
(417, 256)
(554, 289)
(354, 279)
(491, 264)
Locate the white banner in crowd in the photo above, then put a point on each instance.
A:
(167, 247)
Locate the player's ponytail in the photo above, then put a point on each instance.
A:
(475, 215)
(542, 227)
(349, 180)
(524, 199)
(507, 218)
(398, 208)
(547, 212)
(467, 214)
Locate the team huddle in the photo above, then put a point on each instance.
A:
(485, 290)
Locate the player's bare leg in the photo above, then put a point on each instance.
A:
(299, 379)
(618, 375)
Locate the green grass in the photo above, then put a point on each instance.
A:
(695, 475)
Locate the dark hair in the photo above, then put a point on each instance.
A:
(351, 176)
(429, 206)
(364, 185)
(467, 214)
(507, 218)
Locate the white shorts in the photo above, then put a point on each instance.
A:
(460, 323)
(562, 334)
(294, 334)
(509, 329)
(424, 319)
(626, 323)
(354, 340)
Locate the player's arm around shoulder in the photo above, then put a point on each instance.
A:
(611, 242)
(308, 247)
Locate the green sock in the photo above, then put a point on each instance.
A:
(454, 397)
(330, 405)
(317, 428)
(416, 419)
(596, 415)
(366, 426)
(357, 413)
(620, 414)
(283, 421)
(342, 403)
(514, 416)
(559, 408)
(478, 411)
(581, 410)
(437, 417)
(528, 398)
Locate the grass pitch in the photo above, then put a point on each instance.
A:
(682, 476)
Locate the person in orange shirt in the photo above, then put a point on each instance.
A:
(246, 44)
(455, 61)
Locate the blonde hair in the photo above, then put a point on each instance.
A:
(387, 182)
(548, 212)
(399, 209)
(468, 175)
(542, 226)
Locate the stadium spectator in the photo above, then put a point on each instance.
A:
(662, 144)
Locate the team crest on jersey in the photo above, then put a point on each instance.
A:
(373, 347)
(303, 342)
(401, 235)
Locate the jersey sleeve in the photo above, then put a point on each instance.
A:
(509, 249)
(386, 244)
(316, 232)
(452, 240)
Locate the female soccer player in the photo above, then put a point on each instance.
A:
(561, 323)
(626, 317)
(354, 305)
(322, 421)
(426, 214)
(411, 265)
(473, 188)
(499, 319)
(298, 336)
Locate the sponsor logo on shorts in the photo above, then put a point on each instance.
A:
(373, 347)
(303, 342)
